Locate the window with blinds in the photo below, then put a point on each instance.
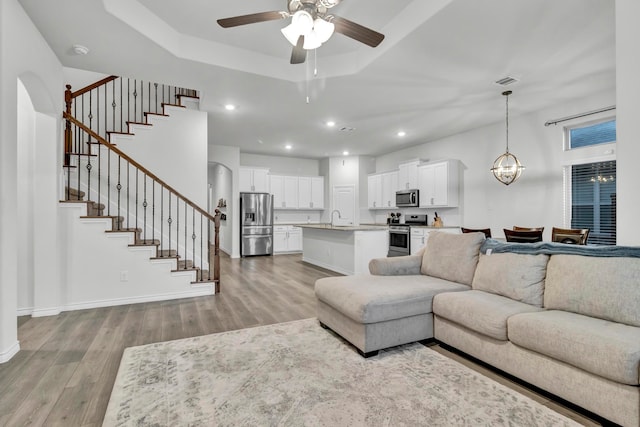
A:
(593, 200)
(597, 133)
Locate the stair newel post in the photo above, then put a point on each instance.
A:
(119, 188)
(216, 248)
(68, 135)
(193, 233)
(202, 251)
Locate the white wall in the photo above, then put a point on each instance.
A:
(220, 180)
(230, 157)
(25, 188)
(536, 199)
(182, 137)
(628, 123)
(25, 55)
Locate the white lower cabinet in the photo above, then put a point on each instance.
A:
(287, 238)
(420, 236)
(418, 239)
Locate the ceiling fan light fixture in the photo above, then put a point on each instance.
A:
(301, 25)
(311, 41)
(323, 29)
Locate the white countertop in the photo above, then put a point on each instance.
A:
(363, 227)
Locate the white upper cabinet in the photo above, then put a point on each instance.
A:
(254, 180)
(374, 191)
(389, 188)
(439, 184)
(408, 175)
(311, 192)
(382, 189)
(285, 191)
(297, 192)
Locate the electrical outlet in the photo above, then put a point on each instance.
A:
(124, 276)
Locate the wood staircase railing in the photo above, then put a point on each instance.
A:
(133, 197)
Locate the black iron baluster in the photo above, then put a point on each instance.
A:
(99, 172)
(135, 100)
(141, 99)
(128, 192)
(163, 93)
(137, 189)
(129, 99)
(178, 229)
(114, 104)
(169, 221)
(209, 247)
(149, 96)
(153, 210)
(98, 111)
(90, 113)
(109, 183)
(106, 112)
(161, 219)
(121, 106)
(193, 238)
(144, 205)
(119, 187)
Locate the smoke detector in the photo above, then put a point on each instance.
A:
(78, 49)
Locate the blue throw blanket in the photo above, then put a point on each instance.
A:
(548, 248)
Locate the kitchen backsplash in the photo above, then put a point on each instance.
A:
(450, 217)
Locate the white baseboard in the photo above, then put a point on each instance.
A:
(197, 290)
(44, 312)
(6, 355)
(25, 311)
(327, 266)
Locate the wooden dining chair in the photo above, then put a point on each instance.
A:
(574, 236)
(523, 236)
(516, 228)
(486, 231)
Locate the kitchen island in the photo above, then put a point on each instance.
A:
(344, 249)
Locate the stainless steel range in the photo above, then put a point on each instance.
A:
(400, 235)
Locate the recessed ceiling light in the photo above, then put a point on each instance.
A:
(401, 133)
(345, 153)
(331, 123)
(288, 146)
(260, 141)
(229, 107)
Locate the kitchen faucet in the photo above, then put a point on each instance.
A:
(332, 212)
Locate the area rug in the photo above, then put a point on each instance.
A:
(298, 374)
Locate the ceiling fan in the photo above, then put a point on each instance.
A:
(311, 25)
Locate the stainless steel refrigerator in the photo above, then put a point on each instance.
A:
(256, 224)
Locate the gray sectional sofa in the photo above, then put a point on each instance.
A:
(563, 318)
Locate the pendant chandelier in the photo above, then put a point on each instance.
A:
(507, 168)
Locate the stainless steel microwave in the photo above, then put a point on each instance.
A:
(407, 198)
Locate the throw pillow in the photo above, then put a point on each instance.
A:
(517, 276)
(452, 256)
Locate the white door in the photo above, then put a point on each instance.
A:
(344, 200)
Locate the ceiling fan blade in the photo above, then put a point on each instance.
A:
(298, 54)
(357, 32)
(251, 19)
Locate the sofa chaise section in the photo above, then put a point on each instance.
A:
(393, 305)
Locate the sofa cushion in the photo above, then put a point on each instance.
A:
(607, 288)
(479, 311)
(607, 349)
(452, 256)
(519, 277)
(371, 299)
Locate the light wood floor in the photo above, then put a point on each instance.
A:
(67, 364)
